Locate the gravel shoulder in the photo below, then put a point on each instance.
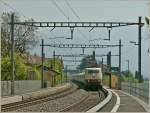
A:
(56, 104)
(92, 100)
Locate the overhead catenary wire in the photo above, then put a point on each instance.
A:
(77, 16)
(53, 1)
(73, 10)
(14, 10)
(62, 12)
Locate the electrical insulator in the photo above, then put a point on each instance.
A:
(71, 28)
(109, 30)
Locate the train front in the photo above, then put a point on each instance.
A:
(93, 78)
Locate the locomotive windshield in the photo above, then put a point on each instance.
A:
(93, 71)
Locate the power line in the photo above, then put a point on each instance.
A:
(15, 10)
(64, 13)
(53, 1)
(76, 16)
(73, 10)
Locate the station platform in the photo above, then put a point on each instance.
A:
(128, 103)
(35, 94)
(123, 102)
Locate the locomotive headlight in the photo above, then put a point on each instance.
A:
(99, 80)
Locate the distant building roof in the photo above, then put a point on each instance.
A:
(32, 59)
(48, 69)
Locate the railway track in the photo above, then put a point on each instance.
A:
(33, 101)
(71, 100)
(92, 99)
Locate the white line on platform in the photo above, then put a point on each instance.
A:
(101, 104)
(115, 108)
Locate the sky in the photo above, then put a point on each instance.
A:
(88, 10)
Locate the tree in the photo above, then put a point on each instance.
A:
(57, 65)
(5, 68)
(86, 62)
(129, 76)
(25, 36)
(20, 68)
(147, 20)
(138, 77)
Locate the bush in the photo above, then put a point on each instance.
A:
(37, 73)
(5, 68)
(20, 68)
(58, 68)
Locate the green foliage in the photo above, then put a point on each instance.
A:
(86, 62)
(56, 64)
(20, 68)
(36, 71)
(106, 80)
(147, 20)
(5, 68)
(126, 77)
